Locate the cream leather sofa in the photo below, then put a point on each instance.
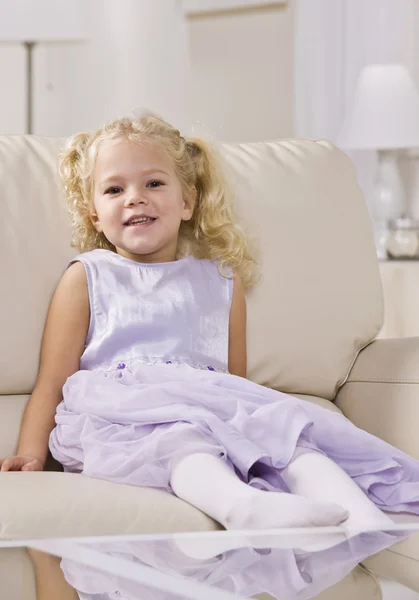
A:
(317, 306)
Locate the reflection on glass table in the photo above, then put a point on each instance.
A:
(219, 565)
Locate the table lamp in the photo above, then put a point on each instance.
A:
(383, 116)
(29, 22)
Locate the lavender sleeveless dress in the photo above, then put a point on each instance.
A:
(154, 385)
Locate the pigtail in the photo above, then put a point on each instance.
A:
(71, 166)
(214, 222)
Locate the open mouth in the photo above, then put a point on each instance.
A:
(139, 221)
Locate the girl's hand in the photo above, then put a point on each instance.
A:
(21, 463)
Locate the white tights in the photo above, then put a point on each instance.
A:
(322, 494)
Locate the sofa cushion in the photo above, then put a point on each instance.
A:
(17, 579)
(357, 584)
(319, 401)
(400, 562)
(319, 300)
(11, 411)
(46, 504)
(34, 251)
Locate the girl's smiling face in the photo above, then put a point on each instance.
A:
(138, 200)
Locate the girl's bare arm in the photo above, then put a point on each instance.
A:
(237, 354)
(62, 346)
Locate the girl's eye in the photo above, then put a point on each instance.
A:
(113, 190)
(155, 183)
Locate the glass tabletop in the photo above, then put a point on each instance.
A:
(216, 565)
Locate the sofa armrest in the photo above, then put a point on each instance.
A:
(381, 394)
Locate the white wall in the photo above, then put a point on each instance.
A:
(242, 73)
(241, 76)
(238, 87)
(134, 56)
(410, 166)
(12, 90)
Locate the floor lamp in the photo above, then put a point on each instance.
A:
(30, 22)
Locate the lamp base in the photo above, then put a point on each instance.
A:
(381, 234)
(389, 198)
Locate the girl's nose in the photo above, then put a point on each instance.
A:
(135, 198)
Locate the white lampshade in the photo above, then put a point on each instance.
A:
(41, 20)
(384, 113)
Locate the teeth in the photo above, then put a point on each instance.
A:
(140, 220)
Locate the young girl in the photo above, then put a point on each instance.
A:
(143, 365)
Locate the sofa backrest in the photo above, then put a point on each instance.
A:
(319, 298)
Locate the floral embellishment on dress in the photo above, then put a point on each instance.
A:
(130, 364)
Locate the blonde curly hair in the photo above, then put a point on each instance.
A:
(211, 233)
